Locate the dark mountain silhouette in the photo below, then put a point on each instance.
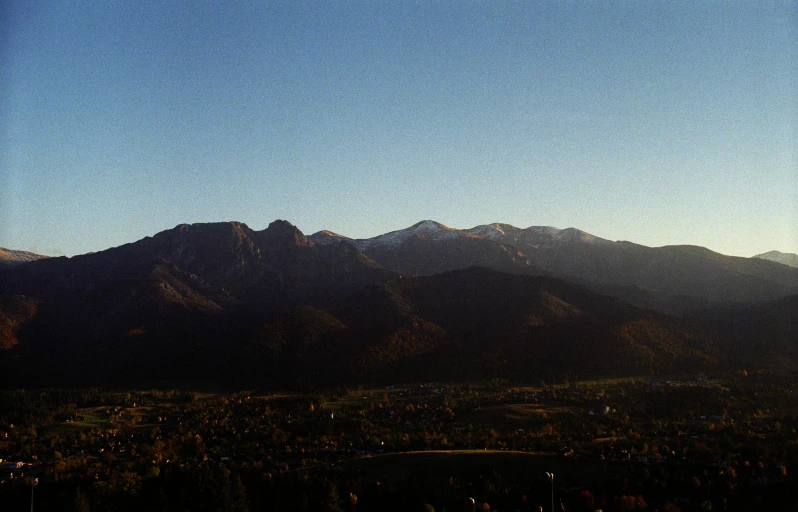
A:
(207, 266)
(158, 309)
(223, 305)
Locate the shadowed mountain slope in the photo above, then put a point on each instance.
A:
(479, 322)
(758, 334)
(159, 310)
(223, 305)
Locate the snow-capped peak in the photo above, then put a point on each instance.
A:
(574, 235)
(545, 230)
(326, 237)
(426, 228)
(533, 237)
(493, 231)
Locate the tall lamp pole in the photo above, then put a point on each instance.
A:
(33, 483)
(551, 478)
(473, 504)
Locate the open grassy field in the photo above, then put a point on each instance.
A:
(93, 417)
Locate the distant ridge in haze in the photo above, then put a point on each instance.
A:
(659, 277)
(9, 257)
(785, 258)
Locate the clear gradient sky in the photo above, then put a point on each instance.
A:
(656, 122)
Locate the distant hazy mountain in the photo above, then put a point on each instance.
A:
(659, 277)
(10, 257)
(785, 258)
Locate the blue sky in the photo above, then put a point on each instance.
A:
(656, 122)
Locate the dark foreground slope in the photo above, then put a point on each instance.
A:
(764, 334)
(472, 324)
(479, 323)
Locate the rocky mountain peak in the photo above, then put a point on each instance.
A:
(282, 231)
(326, 237)
(577, 235)
(428, 226)
(495, 231)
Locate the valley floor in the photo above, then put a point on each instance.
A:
(629, 444)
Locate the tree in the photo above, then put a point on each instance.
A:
(81, 502)
(236, 500)
(332, 501)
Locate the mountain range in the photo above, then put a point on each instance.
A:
(224, 305)
(665, 278)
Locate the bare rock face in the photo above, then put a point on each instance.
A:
(283, 232)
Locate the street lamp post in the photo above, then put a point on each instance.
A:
(551, 478)
(473, 504)
(33, 483)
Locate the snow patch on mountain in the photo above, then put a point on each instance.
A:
(545, 230)
(577, 235)
(533, 237)
(426, 228)
(506, 232)
(494, 231)
(326, 237)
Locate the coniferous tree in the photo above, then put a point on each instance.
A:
(332, 500)
(81, 502)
